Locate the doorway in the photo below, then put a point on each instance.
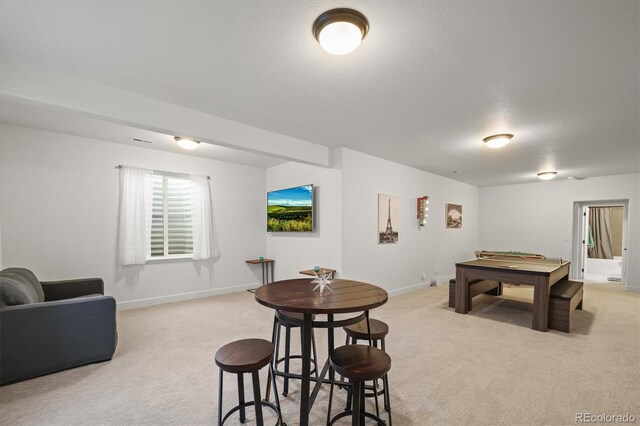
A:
(600, 232)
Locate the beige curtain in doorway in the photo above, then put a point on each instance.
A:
(601, 228)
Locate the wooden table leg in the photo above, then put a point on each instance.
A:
(306, 370)
(541, 304)
(462, 291)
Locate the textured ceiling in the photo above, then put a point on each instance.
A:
(431, 79)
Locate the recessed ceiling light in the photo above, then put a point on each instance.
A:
(497, 141)
(547, 175)
(185, 143)
(340, 31)
(455, 172)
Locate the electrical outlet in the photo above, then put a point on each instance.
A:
(424, 276)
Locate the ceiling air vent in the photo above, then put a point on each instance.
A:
(140, 140)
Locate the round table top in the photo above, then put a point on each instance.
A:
(297, 295)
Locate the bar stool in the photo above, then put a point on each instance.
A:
(290, 320)
(359, 363)
(358, 331)
(246, 356)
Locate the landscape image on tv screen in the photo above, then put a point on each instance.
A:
(290, 210)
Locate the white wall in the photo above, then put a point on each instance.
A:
(432, 249)
(59, 216)
(294, 252)
(538, 217)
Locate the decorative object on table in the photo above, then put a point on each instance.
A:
(290, 210)
(323, 281)
(316, 268)
(423, 208)
(312, 272)
(454, 216)
(488, 254)
(387, 217)
(261, 259)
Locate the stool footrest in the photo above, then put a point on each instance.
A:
(250, 404)
(350, 412)
(283, 359)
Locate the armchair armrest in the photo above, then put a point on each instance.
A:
(41, 338)
(66, 289)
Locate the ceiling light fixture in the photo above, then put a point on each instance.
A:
(547, 175)
(497, 141)
(340, 31)
(185, 143)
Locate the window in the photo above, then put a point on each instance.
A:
(164, 215)
(171, 225)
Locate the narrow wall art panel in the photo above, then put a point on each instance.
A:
(387, 219)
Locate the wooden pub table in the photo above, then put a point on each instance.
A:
(297, 295)
(266, 264)
(540, 273)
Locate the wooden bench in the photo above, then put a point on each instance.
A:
(565, 297)
(476, 287)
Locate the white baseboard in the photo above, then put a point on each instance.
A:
(409, 289)
(140, 303)
(418, 286)
(632, 288)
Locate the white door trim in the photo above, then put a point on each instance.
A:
(578, 257)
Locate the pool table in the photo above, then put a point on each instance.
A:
(540, 273)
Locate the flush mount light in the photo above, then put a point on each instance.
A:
(185, 143)
(547, 175)
(340, 31)
(497, 141)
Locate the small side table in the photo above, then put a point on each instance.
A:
(266, 265)
(321, 271)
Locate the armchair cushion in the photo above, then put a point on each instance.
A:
(67, 289)
(19, 286)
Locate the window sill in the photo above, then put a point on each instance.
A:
(172, 257)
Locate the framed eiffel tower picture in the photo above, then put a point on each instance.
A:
(387, 219)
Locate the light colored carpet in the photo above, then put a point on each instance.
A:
(484, 368)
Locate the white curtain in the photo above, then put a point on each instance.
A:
(136, 199)
(205, 242)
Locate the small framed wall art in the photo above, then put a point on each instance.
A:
(453, 214)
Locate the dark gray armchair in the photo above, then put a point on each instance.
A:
(51, 326)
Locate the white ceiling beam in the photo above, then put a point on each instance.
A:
(26, 83)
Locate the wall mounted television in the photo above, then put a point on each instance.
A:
(290, 210)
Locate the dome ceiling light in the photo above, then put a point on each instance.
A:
(547, 175)
(340, 31)
(186, 143)
(498, 141)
